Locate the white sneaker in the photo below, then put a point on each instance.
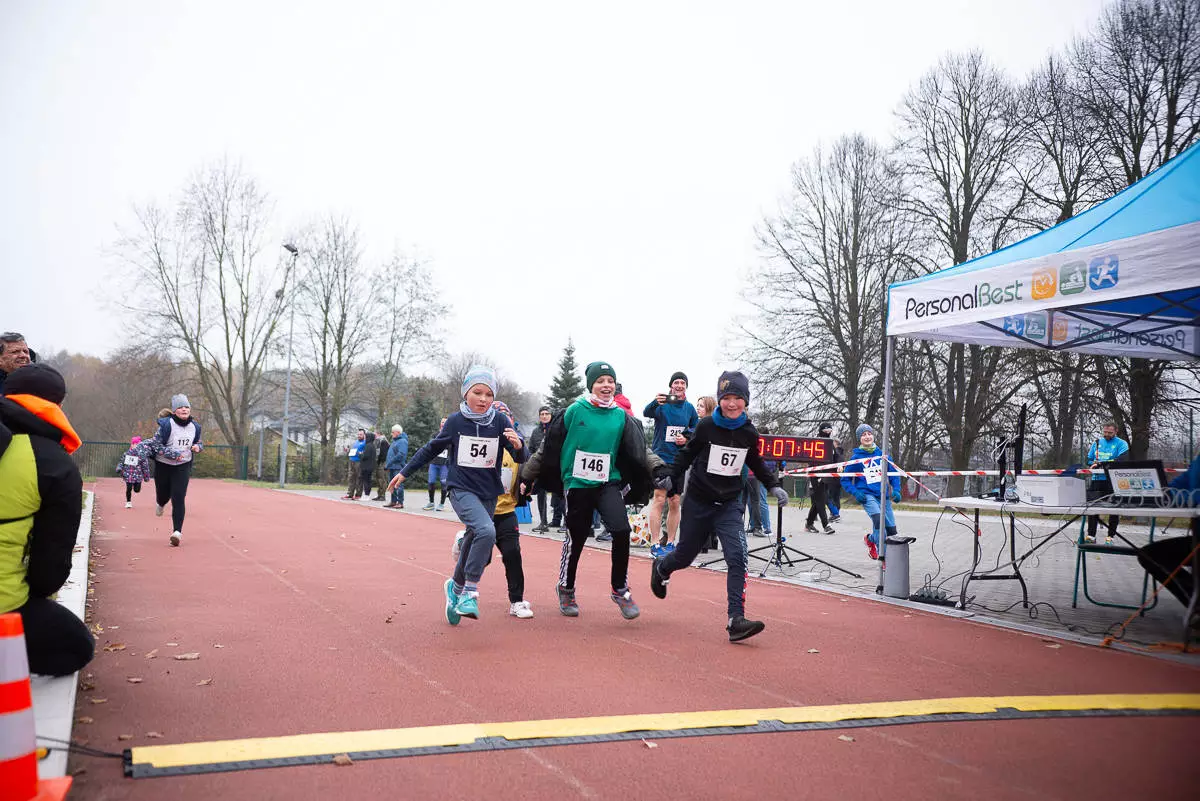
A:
(521, 609)
(175, 537)
(158, 510)
(128, 504)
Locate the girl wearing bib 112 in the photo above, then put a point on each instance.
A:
(592, 452)
(473, 437)
(179, 438)
(723, 444)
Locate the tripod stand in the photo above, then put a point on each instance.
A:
(782, 554)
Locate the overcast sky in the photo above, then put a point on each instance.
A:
(568, 169)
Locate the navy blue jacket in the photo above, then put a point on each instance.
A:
(481, 481)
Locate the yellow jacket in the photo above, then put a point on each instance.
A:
(507, 503)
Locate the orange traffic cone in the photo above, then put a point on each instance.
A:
(18, 741)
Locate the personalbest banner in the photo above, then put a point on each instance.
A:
(1160, 261)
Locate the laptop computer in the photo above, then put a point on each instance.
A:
(1136, 482)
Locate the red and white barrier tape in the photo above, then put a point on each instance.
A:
(820, 472)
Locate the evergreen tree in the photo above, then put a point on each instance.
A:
(567, 385)
(421, 426)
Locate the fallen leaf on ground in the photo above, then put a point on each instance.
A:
(281, 572)
(343, 759)
(649, 744)
(114, 628)
(84, 720)
(134, 679)
(845, 738)
(813, 651)
(98, 700)
(172, 645)
(153, 735)
(78, 771)
(218, 645)
(189, 657)
(124, 736)
(116, 646)
(331, 588)
(97, 629)
(204, 682)
(1054, 645)
(152, 654)
(87, 686)
(389, 619)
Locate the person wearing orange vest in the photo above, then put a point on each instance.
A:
(41, 500)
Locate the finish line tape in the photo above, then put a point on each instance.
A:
(311, 749)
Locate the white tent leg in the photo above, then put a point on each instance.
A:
(885, 495)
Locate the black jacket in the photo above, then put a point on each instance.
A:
(369, 455)
(381, 445)
(537, 437)
(56, 522)
(711, 487)
(639, 465)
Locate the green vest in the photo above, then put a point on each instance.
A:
(18, 503)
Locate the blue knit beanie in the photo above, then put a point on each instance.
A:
(858, 432)
(479, 374)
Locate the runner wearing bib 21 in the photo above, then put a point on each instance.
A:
(472, 437)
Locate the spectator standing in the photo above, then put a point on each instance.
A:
(354, 473)
(1107, 448)
(535, 441)
(366, 464)
(833, 485)
(41, 500)
(397, 455)
(381, 477)
(674, 421)
(14, 354)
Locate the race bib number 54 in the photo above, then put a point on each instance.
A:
(478, 451)
(724, 461)
(591, 466)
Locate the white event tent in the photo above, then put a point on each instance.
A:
(1120, 279)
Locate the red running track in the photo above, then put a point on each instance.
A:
(329, 618)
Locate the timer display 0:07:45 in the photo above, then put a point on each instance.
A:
(798, 449)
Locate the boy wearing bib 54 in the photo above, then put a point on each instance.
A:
(473, 437)
(723, 444)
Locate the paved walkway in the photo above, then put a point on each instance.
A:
(306, 615)
(942, 554)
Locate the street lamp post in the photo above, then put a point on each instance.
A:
(287, 390)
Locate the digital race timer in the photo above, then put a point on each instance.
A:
(796, 449)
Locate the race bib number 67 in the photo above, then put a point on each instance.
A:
(724, 461)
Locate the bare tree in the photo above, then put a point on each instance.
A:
(201, 287)
(814, 344)
(406, 300)
(959, 135)
(332, 299)
(1140, 89)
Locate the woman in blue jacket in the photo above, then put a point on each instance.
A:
(864, 482)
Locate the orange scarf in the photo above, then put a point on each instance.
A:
(51, 413)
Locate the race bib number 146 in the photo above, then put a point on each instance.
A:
(591, 466)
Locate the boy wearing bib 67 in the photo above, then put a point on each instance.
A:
(473, 437)
(724, 443)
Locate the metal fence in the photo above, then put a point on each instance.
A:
(100, 459)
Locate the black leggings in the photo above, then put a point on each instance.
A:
(130, 489)
(443, 486)
(57, 642)
(581, 504)
(170, 484)
(508, 541)
(818, 497)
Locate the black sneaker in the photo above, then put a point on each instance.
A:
(741, 629)
(829, 530)
(658, 584)
(541, 528)
(562, 529)
(810, 528)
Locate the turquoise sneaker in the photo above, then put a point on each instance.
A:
(452, 615)
(467, 606)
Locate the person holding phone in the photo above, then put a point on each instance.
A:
(674, 421)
